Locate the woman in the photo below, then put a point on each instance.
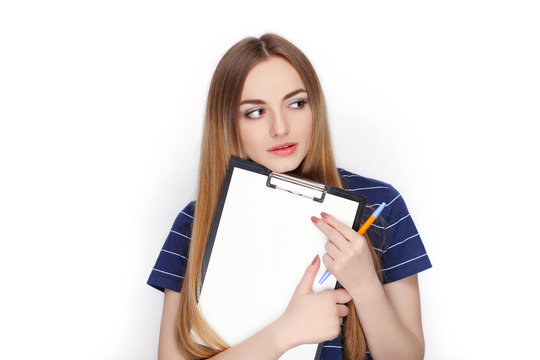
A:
(265, 103)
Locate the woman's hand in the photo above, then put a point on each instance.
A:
(347, 256)
(312, 318)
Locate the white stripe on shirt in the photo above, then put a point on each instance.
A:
(186, 214)
(388, 227)
(401, 242)
(368, 188)
(374, 205)
(418, 257)
(337, 347)
(168, 273)
(176, 232)
(390, 203)
(170, 252)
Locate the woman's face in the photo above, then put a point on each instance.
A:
(275, 118)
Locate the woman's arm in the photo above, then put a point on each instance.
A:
(167, 342)
(310, 318)
(390, 317)
(266, 344)
(389, 314)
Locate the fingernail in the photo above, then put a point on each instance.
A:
(314, 220)
(325, 215)
(314, 259)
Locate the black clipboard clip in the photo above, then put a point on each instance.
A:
(298, 186)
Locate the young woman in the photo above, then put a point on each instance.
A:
(265, 104)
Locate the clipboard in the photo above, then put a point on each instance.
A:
(261, 242)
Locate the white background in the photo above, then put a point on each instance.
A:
(101, 105)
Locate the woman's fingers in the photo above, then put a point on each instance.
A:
(315, 317)
(343, 310)
(328, 261)
(346, 231)
(333, 235)
(342, 296)
(331, 249)
(306, 283)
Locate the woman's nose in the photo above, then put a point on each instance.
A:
(279, 126)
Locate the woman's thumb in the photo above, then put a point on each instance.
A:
(306, 284)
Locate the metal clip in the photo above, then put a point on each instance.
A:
(297, 186)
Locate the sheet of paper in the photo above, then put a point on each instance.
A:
(264, 243)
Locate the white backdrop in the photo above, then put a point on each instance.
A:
(101, 104)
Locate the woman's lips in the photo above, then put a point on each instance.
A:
(283, 149)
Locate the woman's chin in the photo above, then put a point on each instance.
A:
(281, 166)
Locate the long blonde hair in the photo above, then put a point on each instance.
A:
(221, 141)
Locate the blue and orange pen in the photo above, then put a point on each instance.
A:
(361, 231)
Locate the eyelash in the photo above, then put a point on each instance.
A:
(301, 103)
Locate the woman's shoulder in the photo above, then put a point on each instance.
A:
(394, 234)
(170, 266)
(184, 219)
(376, 191)
(356, 179)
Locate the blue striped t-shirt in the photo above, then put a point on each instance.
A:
(393, 235)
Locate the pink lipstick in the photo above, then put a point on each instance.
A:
(283, 149)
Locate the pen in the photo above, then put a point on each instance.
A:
(361, 231)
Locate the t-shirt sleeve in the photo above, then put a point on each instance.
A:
(170, 267)
(403, 253)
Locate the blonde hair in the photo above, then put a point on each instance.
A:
(221, 141)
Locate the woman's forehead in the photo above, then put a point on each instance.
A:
(269, 78)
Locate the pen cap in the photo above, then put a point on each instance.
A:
(379, 210)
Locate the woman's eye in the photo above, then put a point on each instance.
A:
(298, 104)
(254, 114)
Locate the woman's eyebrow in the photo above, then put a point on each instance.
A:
(252, 101)
(260, 102)
(292, 93)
